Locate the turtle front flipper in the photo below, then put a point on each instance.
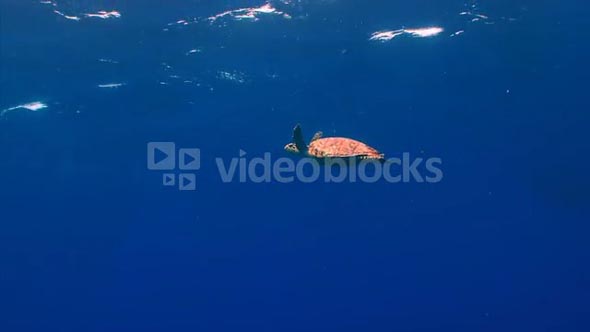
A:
(298, 139)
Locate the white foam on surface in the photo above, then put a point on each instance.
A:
(193, 51)
(250, 14)
(72, 18)
(104, 14)
(387, 35)
(111, 85)
(474, 15)
(424, 32)
(32, 106)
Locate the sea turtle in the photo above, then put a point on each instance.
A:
(331, 147)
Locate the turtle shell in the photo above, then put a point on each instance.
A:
(341, 147)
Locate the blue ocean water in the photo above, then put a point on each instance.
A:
(90, 239)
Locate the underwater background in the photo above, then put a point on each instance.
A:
(90, 239)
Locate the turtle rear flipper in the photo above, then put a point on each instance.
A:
(317, 136)
(298, 139)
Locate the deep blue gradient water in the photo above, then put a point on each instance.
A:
(90, 240)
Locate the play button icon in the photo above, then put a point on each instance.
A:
(168, 179)
(187, 181)
(161, 156)
(189, 159)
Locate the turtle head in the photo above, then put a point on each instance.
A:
(292, 148)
